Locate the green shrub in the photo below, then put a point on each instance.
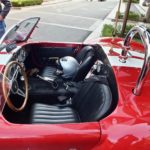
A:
(107, 30)
(132, 16)
(133, 1)
(20, 3)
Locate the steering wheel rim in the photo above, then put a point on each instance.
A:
(4, 87)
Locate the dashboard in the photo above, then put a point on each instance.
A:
(20, 55)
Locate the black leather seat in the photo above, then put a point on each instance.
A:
(53, 114)
(91, 103)
(85, 58)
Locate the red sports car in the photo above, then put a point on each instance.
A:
(74, 96)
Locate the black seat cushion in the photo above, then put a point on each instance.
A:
(92, 103)
(47, 114)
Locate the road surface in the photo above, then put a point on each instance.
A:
(70, 21)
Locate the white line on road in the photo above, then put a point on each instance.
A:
(54, 24)
(65, 26)
(81, 17)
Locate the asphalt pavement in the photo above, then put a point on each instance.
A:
(64, 20)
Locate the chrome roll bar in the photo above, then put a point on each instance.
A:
(145, 37)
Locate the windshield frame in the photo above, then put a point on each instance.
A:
(13, 31)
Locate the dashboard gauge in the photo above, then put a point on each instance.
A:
(22, 55)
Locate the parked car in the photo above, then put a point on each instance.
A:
(67, 95)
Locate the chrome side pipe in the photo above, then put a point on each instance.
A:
(145, 37)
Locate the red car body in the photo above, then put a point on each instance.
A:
(127, 127)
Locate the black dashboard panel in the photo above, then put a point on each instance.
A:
(20, 55)
(54, 51)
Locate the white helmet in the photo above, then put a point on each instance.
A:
(69, 65)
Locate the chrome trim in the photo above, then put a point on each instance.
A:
(145, 37)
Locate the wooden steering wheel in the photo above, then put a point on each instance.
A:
(10, 84)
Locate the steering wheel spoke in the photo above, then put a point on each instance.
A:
(21, 93)
(14, 77)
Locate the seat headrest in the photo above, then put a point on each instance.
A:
(83, 53)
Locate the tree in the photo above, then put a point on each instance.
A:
(125, 18)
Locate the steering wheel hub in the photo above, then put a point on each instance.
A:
(14, 87)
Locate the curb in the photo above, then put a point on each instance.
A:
(54, 2)
(45, 2)
(97, 32)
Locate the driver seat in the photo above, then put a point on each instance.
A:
(92, 103)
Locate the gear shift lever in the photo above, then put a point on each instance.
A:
(49, 80)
